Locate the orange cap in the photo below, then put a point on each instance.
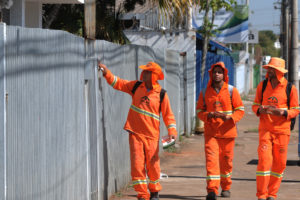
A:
(153, 67)
(276, 63)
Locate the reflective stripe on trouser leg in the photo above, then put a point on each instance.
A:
(226, 146)
(212, 164)
(138, 172)
(153, 164)
(264, 151)
(280, 148)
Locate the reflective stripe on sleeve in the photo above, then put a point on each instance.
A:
(172, 126)
(115, 81)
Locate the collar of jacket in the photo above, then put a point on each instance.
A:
(225, 86)
(156, 87)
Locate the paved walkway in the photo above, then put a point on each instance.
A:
(186, 168)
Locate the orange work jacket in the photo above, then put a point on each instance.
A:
(144, 116)
(221, 102)
(276, 97)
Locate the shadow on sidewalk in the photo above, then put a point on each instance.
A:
(172, 196)
(288, 163)
(234, 179)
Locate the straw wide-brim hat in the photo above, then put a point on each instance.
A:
(155, 68)
(276, 63)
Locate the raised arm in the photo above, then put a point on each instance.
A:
(116, 82)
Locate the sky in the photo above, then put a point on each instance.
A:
(263, 15)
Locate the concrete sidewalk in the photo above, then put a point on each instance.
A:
(186, 167)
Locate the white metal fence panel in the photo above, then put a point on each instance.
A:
(2, 112)
(61, 125)
(46, 143)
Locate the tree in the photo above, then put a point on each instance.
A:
(266, 42)
(210, 6)
(4, 4)
(108, 24)
(66, 17)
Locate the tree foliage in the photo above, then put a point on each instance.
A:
(266, 42)
(210, 6)
(64, 17)
(71, 18)
(108, 24)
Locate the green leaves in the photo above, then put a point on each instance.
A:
(266, 42)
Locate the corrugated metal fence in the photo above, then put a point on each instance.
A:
(61, 129)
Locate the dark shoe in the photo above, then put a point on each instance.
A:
(141, 199)
(154, 196)
(211, 196)
(270, 198)
(225, 193)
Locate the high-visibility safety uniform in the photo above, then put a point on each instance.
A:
(219, 135)
(142, 123)
(274, 133)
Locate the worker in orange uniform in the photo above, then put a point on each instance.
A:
(275, 111)
(148, 100)
(220, 107)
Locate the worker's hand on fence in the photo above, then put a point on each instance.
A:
(172, 137)
(275, 111)
(102, 67)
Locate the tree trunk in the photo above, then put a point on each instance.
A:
(205, 39)
(52, 16)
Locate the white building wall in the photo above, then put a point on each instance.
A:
(17, 13)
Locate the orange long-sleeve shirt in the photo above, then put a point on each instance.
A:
(144, 116)
(276, 97)
(220, 102)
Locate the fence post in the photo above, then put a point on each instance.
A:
(90, 35)
(3, 100)
(90, 18)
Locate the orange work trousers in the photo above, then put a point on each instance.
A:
(144, 151)
(272, 155)
(219, 156)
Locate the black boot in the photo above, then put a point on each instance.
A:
(211, 196)
(225, 193)
(270, 198)
(154, 196)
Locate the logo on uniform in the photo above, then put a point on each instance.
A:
(272, 100)
(145, 100)
(218, 104)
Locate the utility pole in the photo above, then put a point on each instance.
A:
(90, 19)
(250, 58)
(247, 45)
(285, 31)
(293, 70)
